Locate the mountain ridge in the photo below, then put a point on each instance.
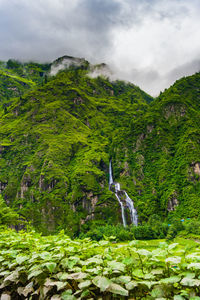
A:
(58, 134)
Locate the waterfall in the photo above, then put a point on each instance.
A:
(128, 201)
(122, 210)
(133, 211)
(117, 187)
(110, 174)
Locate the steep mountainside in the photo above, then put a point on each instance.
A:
(56, 142)
(164, 155)
(59, 128)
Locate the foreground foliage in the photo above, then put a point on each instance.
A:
(56, 267)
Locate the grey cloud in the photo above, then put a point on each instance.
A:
(39, 30)
(149, 42)
(185, 70)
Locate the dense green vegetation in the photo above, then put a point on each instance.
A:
(153, 229)
(166, 153)
(55, 267)
(59, 128)
(56, 142)
(59, 132)
(8, 216)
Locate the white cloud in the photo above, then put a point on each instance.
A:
(149, 42)
(65, 62)
(165, 38)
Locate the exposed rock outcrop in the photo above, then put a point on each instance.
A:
(172, 204)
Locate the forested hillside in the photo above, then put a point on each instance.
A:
(60, 127)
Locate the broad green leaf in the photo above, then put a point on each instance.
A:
(163, 245)
(123, 279)
(84, 284)
(193, 256)
(117, 289)
(188, 274)
(157, 271)
(178, 297)
(101, 282)
(186, 281)
(70, 249)
(66, 296)
(59, 284)
(85, 293)
(131, 285)
(159, 252)
(170, 280)
(157, 292)
(94, 271)
(20, 259)
(62, 276)
(96, 261)
(68, 292)
(34, 273)
(108, 257)
(65, 262)
(138, 273)
(144, 252)
(51, 266)
(77, 276)
(172, 246)
(173, 259)
(45, 255)
(3, 273)
(25, 290)
(128, 261)
(148, 283)
(115, 265)
(1, 258)
(149, 276)
(12, 277)
(194, 266)
(78, 292)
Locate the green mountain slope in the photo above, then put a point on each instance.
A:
(56, 142)
(59, 128)
(17, 78)
(165, 156)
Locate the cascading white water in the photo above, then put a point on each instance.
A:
(110, 173)
(122, 210)
(133, 211)
(128, 200)
(117, 188)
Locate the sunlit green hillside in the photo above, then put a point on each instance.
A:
(59, 128)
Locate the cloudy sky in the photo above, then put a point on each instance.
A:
(148, 42)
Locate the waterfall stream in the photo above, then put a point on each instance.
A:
(110, 174)
(122, 197)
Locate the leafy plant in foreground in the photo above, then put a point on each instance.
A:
(56, 267)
